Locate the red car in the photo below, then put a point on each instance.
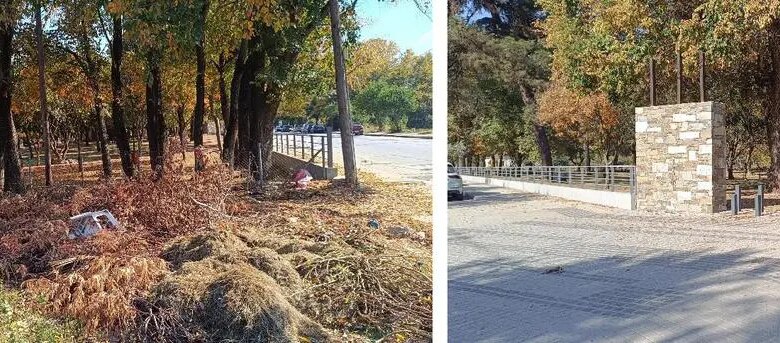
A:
(357, 129)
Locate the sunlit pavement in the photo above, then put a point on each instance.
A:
(523, 267)
(392, 158)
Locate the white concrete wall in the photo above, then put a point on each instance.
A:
(593, 196)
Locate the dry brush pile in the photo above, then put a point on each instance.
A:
(198, 260)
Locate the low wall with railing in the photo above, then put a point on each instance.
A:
(313, 152)
(612, 186)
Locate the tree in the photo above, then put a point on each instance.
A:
(384, 103)
(200, 83)
(492, 86)
(42, 92)
(510, 19)
(79, 38)
(12, 178)
(117, 89)
(347, 144)
(588, 119)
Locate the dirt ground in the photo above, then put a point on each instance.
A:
(325, 263)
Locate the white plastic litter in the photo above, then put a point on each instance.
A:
(89, 223)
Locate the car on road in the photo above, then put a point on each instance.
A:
(285, 128)
(357, 129)
(317, 129)
(454, 183)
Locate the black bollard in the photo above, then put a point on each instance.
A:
(734, 203)
(759, 201)
(738, 194)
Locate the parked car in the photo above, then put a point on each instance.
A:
(454, 183)
(357, 129)
(317, 129)
(285, 128)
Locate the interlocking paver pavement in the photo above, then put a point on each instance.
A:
(626, 276)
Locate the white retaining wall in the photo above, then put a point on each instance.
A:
(593, 196)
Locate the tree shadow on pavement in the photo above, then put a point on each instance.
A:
(476, 195)
(561, 292)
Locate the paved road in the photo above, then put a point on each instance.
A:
(523, 267)
(393, 158)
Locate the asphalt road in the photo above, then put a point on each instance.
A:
(393, 158)
(529, 268)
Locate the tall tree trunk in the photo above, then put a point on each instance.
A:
(100, 122)
(216, 121)
(219, 134)
(155, 123)
(231, 124)
(544, 144)
(93, 78)
(42, 94)
(586, 149)
(243, 114)
(773, 110)
(542, 141)
(224, 100)
(117, 94)
(181, 127)
(200, 80)
(12, 178)
(347, 143)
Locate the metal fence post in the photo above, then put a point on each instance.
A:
(260, 175)
(738, 196)
(322, 150)
(311, 143)
(330, 146)
(632, 186)
(287, 143)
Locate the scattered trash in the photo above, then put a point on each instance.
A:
(373, 223)
(399, 231)
(556, 270)
(89, 223)
(302, 178)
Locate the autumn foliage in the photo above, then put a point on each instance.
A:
(585, 118)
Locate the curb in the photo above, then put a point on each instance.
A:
(379, 134)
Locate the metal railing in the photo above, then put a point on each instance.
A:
(315, 148)
(618, 178)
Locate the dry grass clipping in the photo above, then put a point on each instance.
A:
(373, 285)
(99, 291)
(311, 248)
(234, 302)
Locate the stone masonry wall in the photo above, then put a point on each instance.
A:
(680, 158)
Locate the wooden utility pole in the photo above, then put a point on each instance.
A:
(42, 93)
(678, 68)
(345, 119)
(702, 87)
(652, 81)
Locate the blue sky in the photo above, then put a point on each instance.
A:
(399, 21)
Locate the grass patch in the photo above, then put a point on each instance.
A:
(20, 324)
